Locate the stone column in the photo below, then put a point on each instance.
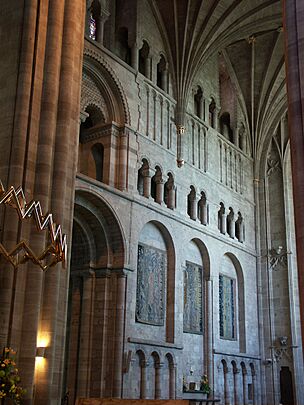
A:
(143, 379)
(203, 211)
(243, 142)
(209, 333)
(215, 118)
(160, 190)
(200, 108)
(158, 380)
(135, 56)
(294, 47)
(172, 381)
(123, 160)
(236, 380)
(223, 220)
(154, 62)
(148, 67)
(61, 177)
(206, 110)
(231, 229)
(147, 175)
(245, 387)
(253, 376)
(241, 230)
(164, 80)
(193, 207)
(119, 334)
(100, 21)
(171, 197)
(20, 110)
(227, 385)
(236, 134)
(73, 349)
(85, 337)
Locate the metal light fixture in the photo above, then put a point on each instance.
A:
(40, 351)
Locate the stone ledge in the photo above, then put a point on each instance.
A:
(154, 343)
(118, 401)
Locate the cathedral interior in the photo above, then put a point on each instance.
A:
(166, 138)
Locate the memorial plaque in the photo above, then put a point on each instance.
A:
(151, 285)
(193, 298)
(227, 307)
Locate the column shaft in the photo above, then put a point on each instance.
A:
(172, 381)
(158, 381)
(159, 191)
(119, 335)
(143, 380)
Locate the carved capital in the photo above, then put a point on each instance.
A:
(251, 40)
(180, 129)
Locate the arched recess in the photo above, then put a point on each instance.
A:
(197, 318)
(104, 113)
(95, 291)
(231, 282)
(170, 378)
(138, 375)
(155, 297)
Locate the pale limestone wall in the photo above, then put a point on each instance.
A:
(225, 174)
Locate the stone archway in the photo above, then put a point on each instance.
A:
(96, 301)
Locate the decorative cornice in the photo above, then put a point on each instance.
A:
(101, 131)
(21, 253)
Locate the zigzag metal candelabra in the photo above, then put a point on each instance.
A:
(55, 252)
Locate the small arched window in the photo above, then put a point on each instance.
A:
(144, 60)
(198, 102)
(231, 223)
(225, 127)
(221, 219)
(191, 203)
(202, 209)
(143, 179)
(169, 192)
(162, 74)
(123, 49)
(94, 20)
(212, 113)
(92, 27)
(98, 155)
(239, 228)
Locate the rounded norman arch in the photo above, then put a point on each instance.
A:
(108, 245)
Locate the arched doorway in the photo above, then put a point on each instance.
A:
(96, 301)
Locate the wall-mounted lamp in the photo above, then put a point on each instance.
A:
(40, 351)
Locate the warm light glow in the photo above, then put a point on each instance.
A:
(40, 363)
(43, 340)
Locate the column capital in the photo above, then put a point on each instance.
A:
(147, 172)
(83, 116)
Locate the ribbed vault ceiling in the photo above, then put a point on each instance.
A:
(193, 30)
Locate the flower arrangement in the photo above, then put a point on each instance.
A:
(9, 378)
(205, 387)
